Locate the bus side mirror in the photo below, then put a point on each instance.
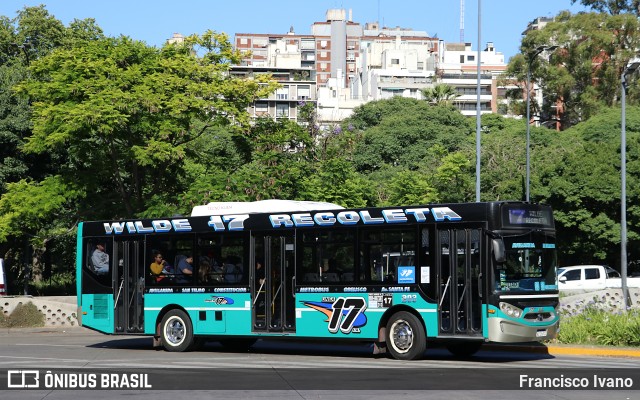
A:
(499, 252)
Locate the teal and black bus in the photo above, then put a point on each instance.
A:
(457, 275)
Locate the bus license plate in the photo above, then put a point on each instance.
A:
(541, 333)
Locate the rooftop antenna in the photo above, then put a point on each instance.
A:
(461, 21)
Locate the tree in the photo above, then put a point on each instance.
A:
(440, 94)
(336, 181)
(125, 112)
(403, 131)
(583, 75)
(36, 212)
(25, 178)
(583, 186)
(613, 7)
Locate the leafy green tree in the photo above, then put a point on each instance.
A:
(583, 186)
(613, 7)
(336, 181)
(582, 76)
(399, 133)
(35, 212)
(409, 188)
(281, 152)
(14, 126)
(125, 112)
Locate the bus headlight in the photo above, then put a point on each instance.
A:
(510, 310)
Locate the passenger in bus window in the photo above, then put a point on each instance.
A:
(159, 267)
(184, 269)
(232, 270)
(204, 270)
(100, 259)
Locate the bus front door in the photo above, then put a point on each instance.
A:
(460, 288)
(129, 288)
(273, 305)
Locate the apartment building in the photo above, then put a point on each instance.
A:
(342, 64)
(458, 67)
(287, 60)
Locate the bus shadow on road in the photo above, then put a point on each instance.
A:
(125, 343)
(488, 355)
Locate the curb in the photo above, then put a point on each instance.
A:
(564, 350)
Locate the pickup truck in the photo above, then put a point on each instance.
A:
(592, 277)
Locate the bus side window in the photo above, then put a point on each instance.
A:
(311, 277)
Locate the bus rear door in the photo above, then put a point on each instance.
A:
(129, 287)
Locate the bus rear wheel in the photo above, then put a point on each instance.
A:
(176, 331)
(406, 338)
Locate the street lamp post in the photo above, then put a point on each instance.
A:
(532, 57)
(478, 105)
(631, 67)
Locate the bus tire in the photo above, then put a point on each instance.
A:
(176, 331)
(406, 338)
(463, 349)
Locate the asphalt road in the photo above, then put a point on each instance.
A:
(283, 370)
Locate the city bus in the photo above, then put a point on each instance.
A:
(401, 278)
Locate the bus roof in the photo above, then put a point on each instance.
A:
(261, 206)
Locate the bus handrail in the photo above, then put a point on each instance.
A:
(115, 304)
(258, 293)
(445, 291)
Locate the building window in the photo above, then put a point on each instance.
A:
(304, 92)
(282, 93)
(462, 59)
(260, 42)
(262, 108)
(471, 58)
(323, 43)
(282, 110)
(243, 40)
(323, 66)
(395, 61)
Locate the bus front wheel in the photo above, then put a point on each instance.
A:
(176, 331)
(406, 338)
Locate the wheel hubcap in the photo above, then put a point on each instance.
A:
(174, 331)
(401, 336)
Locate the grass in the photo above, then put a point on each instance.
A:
(23, 316)
(597, 322)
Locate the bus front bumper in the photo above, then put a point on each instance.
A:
(502, 330)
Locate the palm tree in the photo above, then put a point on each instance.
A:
(441, 93)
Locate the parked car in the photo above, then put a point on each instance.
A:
(592, 277)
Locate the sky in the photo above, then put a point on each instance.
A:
(502, 21)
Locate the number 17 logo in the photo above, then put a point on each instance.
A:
(345, 314)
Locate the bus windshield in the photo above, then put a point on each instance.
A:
(530, 264)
